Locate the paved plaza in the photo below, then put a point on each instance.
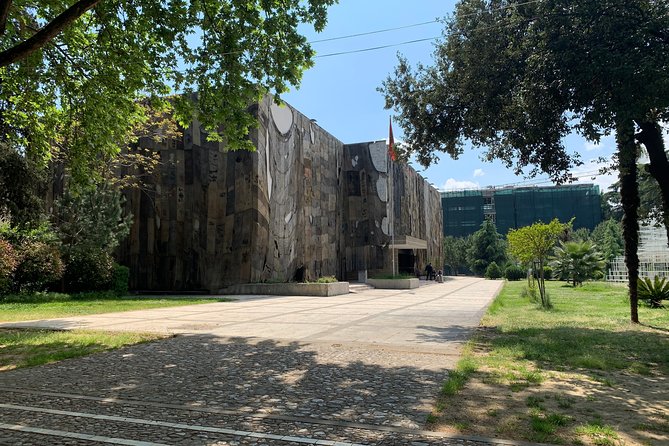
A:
(362, 368)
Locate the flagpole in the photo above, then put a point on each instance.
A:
(391, 217)
(391, 156)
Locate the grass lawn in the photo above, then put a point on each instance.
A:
(578, 374)
(23, 348)
(34, 306)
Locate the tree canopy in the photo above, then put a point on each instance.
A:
(485, 246)
(578, 261)
(72, 73)
(517, 77)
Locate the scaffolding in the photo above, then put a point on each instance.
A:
(653, 256)
(515, 207)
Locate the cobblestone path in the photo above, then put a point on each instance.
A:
(205, 389)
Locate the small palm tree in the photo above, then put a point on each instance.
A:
(578, 261)
(653, 292)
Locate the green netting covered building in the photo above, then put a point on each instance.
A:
(515, 207)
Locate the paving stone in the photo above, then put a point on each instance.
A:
(202, 389)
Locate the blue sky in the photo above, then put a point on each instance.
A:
(340, 91)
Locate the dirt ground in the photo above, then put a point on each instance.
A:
(616, 408)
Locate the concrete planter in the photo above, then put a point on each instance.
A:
(394, 284)
(289, 289)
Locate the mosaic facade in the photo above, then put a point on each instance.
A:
(303, 203)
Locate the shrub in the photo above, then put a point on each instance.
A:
(653, 292)
(548, 273)
(493, 271)
(88, 271)
(514, 272)
(8, 262)
(327, 279)
(578, 261)
(120, 279)
(39, 265)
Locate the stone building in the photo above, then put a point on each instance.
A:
(303, 202)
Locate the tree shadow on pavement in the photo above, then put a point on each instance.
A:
(246, 375)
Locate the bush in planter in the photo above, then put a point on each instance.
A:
(493, 271)
(514, 272)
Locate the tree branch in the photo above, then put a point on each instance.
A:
(4, 14)
(46, 34)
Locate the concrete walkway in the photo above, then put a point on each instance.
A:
(362, 368)
(434, 317)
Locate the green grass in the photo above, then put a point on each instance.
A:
(459, 377)
(586, 337)
(35, 306)
(23, 348)
(600, 435)
(588, 328)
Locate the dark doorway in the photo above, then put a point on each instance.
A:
(406, 261)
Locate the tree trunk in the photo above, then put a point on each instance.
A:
(47, 33)
(651, 137)
(542, 285)
(629, 197)
(4, 14)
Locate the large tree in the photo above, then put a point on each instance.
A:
(455, 253)
(72, 73)
(608, 236)
(485, 246)
(517, 77)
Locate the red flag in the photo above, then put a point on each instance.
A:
(391, 142)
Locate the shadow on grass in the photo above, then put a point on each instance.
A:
(655, 328)
(595, 349)
(620, 375)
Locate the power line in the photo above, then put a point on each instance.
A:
(363, 50)
(378, 31)
(414, 25)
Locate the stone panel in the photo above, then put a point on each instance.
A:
(210, 218)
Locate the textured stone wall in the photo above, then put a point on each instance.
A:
(371, 183)
(209, 218)
(299, 196)
(417, 209)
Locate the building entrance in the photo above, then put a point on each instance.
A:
(406, 261)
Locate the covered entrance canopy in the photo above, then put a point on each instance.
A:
(408, 242)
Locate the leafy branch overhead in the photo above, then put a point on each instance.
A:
(72, 73)
(516, 77)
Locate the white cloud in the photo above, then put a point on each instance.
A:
(453, 184)
(478, 173)
(605, 142)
